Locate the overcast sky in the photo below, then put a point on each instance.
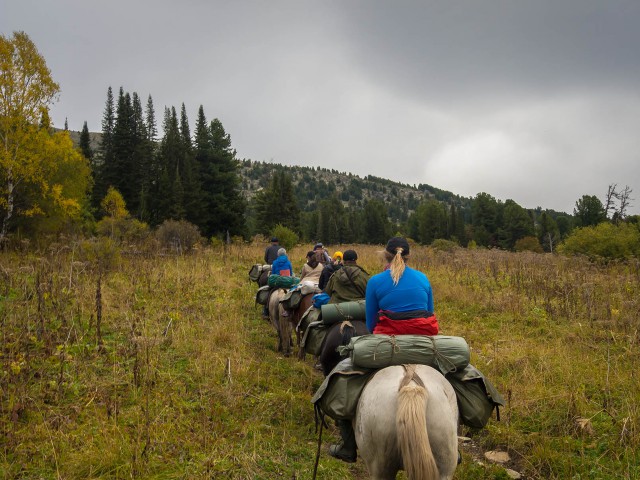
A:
(536, 101)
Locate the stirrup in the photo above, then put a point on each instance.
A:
(337, 451)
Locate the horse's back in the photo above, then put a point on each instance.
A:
(375, 423)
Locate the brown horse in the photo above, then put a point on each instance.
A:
(289, 321)
(339, 334)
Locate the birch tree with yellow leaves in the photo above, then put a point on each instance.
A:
(43, 178)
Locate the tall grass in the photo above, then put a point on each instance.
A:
(187, 383)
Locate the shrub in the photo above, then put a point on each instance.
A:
(287, 237)
(122, 229)
(178, 235)
(606, 240)
(531, 244)
(444, 245)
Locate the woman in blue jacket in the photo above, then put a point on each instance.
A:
(282, 265)
(399, 301)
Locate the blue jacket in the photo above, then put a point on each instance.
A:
(413, 292)
(281, 263)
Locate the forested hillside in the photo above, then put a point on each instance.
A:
(185, 174)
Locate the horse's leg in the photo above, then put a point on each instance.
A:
(274, 316)
(285, 333)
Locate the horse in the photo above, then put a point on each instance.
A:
(339, 334)
(291, 320)
(407, 418)
(275, 315)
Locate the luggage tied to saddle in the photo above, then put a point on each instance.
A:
(293, 297)
(339, 312)
(446, 353)
(262, 295)
(313, 331)
(339, 393)
(256, 270)
(278, 281)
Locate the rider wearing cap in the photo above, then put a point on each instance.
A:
(329, 269)
(399, 301)
(271, 252)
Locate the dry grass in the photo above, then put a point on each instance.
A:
(187, 383)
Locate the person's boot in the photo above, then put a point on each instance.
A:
(345, 450)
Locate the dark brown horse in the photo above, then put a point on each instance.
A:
(339, 334)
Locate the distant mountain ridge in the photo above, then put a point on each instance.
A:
(313, 184)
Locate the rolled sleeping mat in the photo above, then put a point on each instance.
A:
(339, 312)
(446, 353)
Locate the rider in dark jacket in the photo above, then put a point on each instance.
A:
(271, 252)
(329, 269)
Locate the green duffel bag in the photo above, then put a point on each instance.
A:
(262, 295)
(339, 393)
(446, 353)
(338, 312)
(477, 397)
(278, 281)
(314, 337)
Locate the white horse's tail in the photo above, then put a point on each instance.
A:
(411, 425)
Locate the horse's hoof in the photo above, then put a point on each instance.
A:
(338, 451)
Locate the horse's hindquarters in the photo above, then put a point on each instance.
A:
(375, 422)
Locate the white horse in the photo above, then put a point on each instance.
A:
(407, 419)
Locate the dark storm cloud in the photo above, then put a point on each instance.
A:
(534, 101)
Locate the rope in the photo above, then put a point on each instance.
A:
(319, 416)
(442, 359)
(345, 316)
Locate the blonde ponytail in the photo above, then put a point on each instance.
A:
(397, 266)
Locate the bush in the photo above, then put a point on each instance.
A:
(606, 241)
(531, 244)
(179, 236)
(287, 237)
(444, 245)
(122, 229)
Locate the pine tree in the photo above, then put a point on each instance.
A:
(125, 173)
(277, 204)
(85, 143)
(193, 198)
(169, 164)
(104, 160)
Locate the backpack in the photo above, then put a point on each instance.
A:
(256, 270)
(477, 397)
(262, 295)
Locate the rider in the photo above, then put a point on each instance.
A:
(398, 301)
(350, 282)
(329, 269)
(271, 252)
(282, 265)
(311, 270)
(323, 255)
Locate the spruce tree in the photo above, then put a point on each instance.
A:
(125, 174)
(85, 143)
(277, 204)
(104, 158)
